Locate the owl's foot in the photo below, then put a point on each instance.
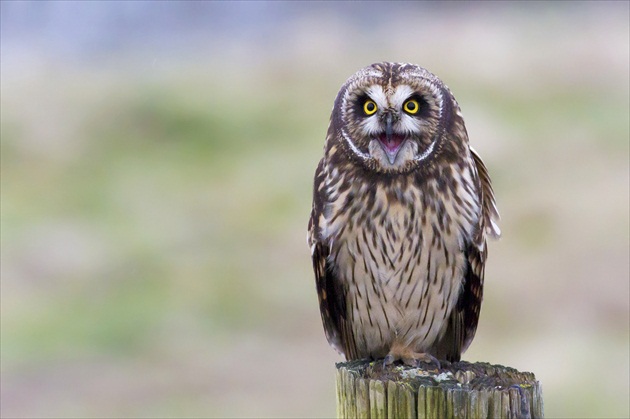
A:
(409, 357)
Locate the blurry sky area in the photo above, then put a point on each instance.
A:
(157, 162)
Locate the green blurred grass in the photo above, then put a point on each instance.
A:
(161, 223)
(165, 175)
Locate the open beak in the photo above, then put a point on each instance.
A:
(390, 142)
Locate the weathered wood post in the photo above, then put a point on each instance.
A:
(458, 390)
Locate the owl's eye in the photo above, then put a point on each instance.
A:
(411, 106)
(369, 107)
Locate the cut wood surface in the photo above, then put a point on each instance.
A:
(457, 390)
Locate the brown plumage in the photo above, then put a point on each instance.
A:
(402, 207)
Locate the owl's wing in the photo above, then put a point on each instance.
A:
(331, 292)
(489, 211)
(462, 323)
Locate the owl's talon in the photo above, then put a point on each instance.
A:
(388, 360)
(410, 357)
(416, 360)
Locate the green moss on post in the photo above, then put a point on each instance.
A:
(459, 390)
(378, 403)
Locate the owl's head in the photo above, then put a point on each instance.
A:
(393, 118)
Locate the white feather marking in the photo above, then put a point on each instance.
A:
(495, 228)
(354, 148)
(409, 125)
(371, 72)
(426, 152)
(371, 126)
(376, 93)
(402, 93)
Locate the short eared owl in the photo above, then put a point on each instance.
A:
(402, 207)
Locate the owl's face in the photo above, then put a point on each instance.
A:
(392, 117)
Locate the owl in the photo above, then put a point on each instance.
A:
(402, 208)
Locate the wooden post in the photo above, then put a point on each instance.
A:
(458, 390)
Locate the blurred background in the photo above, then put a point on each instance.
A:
(157, 162)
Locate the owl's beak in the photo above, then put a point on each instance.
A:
(390, 142)
(389, 129)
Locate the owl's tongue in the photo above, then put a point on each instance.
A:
(391, 144)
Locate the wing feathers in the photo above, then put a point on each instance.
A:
(490, 211)
(462, 323)
(330, 291)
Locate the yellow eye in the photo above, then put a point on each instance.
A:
(411, 106)
(369, 107)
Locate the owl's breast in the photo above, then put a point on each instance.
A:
(397, 249)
